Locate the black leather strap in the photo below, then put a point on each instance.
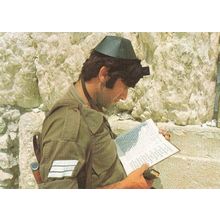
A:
(36, 144)
(92, 103)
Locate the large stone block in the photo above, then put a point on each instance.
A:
(195, 141)
(4, 141)
(181, 87)
(58, 64)
(184, 172)
(29, 124)
(3, 126)
(18, 82)
(7, 161)
(4, 176)
(11, 115)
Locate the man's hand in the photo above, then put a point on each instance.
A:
(134, 180)
(165, 133)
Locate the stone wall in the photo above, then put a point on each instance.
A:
(37, 68)
(9, 147)
(30, 123)
(182, 85)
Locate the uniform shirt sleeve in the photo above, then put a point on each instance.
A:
(61, 156)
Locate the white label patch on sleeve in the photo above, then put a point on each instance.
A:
(62, 168)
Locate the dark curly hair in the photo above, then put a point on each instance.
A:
(130, 71)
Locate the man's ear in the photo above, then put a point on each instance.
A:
(103, 74)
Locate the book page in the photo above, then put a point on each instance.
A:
(143, 144)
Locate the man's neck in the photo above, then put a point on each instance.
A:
(79, 90)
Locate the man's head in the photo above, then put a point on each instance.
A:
(114, 61)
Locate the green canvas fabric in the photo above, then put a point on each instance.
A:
(68, 130)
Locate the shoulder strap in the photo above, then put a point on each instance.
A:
(36, 144)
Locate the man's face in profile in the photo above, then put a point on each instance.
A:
(106, 97)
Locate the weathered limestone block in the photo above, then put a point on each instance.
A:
(194, 140)
(29, 124)
(2, 110)
(189, 173)
(13, 136)
(4, 141)
(11, 115)
(148, 42)
(4, 176)
(18, 82)
(3, 126)
(7, 161)
(78, 37)
(182, 85)
(58, 64)
(197, 164)
(12, 126)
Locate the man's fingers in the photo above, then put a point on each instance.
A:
(165, 133)
(161, 130)
(167, 136)
(144, 167)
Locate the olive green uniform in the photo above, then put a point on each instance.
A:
(74, 132)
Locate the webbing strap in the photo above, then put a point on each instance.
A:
(36, 144)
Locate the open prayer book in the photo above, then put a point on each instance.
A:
(143, 144)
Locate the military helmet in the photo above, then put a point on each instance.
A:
(121, 48)
(116, 47)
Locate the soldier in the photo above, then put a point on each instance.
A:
(77, 148)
